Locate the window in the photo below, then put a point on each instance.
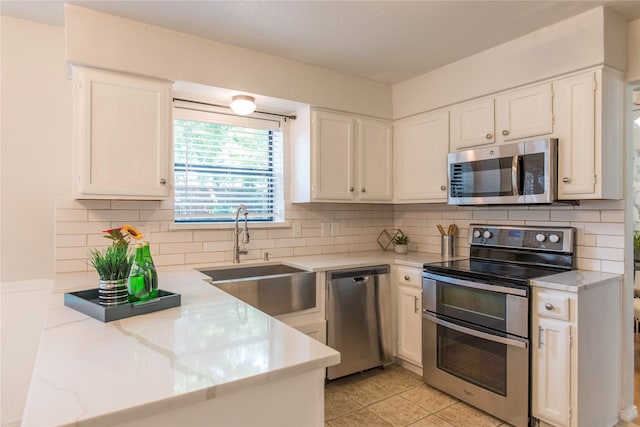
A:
(222, 161)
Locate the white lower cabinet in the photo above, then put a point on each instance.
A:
(576, 350)
(408, 283)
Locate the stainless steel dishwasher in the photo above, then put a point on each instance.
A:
(359, 319)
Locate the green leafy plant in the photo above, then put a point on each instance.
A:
(636, 241)
(114, 262)
(401, 239)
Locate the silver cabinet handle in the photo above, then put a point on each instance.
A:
(566, 180)
(163, 181)
(505, 132)
(443, 187)
(363, 189)
(488, 136)
(540, 332)
(415, 304)
(406, 277)
(351, 188)
(548, 306)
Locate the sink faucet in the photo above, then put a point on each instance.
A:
(236, 233)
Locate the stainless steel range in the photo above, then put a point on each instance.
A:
(475, 317)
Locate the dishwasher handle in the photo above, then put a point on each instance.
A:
(360, 280)
(358, 272)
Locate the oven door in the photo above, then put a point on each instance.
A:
(488, 371)
(490, 305)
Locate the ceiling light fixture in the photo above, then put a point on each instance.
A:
(243, 104)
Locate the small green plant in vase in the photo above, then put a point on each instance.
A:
(636, 245)
(113, 264)
(400, 244)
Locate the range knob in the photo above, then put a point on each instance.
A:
(554, 238)
(540, 237)
(476, 233)
(486, 234)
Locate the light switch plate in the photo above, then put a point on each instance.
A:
(326, 229)
(335, 228)
(297, 229)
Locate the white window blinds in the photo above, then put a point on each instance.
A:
(221, 161)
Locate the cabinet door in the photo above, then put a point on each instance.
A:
(576, 136)
(550, 371)
(123, 130)
(409, 324)
(374, 160)
(524, 113)
(472, 124)
(332, 156)
(420, 147)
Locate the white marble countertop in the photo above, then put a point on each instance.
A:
(575, 280)
(89, 372)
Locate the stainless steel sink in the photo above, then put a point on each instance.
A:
(273, 288)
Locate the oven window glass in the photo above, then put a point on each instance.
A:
(476, 360)
(490, 177)
(484, 308)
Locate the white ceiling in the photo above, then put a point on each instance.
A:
(386, 41)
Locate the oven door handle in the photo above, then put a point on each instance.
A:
(477, 285)
(489, 337)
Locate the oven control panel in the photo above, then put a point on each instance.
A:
(554, 239)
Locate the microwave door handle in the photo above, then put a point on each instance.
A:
(516, 167)
(489, 337)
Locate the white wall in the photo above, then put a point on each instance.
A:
(36, 136)
(573, 44)
(107, 41)
(633, 50)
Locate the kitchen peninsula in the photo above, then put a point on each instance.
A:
(214, 360)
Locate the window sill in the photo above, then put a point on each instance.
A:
(229, 225)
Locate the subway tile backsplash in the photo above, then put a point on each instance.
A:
(600, 226)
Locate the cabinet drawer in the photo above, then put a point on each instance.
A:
(407, 276)
(553, 306)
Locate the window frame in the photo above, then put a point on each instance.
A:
(185, 111)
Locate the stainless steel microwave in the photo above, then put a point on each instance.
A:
(519, 173)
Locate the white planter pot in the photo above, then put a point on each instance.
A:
(401, 249)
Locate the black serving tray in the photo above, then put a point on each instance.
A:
(87, 302)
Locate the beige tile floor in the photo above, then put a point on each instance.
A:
(397, 397)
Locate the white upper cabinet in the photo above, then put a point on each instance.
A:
(420, 147)
(472, 124)
(517, 114)
(375, 153)
(524, 113)
(589, 131)
(122, 131)
(340, 158)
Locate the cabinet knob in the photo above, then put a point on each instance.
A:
(363, 189)
(548, 306)
(505, 132)
(351, 189)
(488, 136)
(406, 277)
(163, 181)
(566, 180)
(443, 187)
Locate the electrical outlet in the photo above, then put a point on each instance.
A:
(297, 229)
(326, 229)
(335, 228)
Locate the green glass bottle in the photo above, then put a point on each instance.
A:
(139, 285)
(152, 273)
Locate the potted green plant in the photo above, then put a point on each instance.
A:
(400, 242)
(113, 264)
(636, 245)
